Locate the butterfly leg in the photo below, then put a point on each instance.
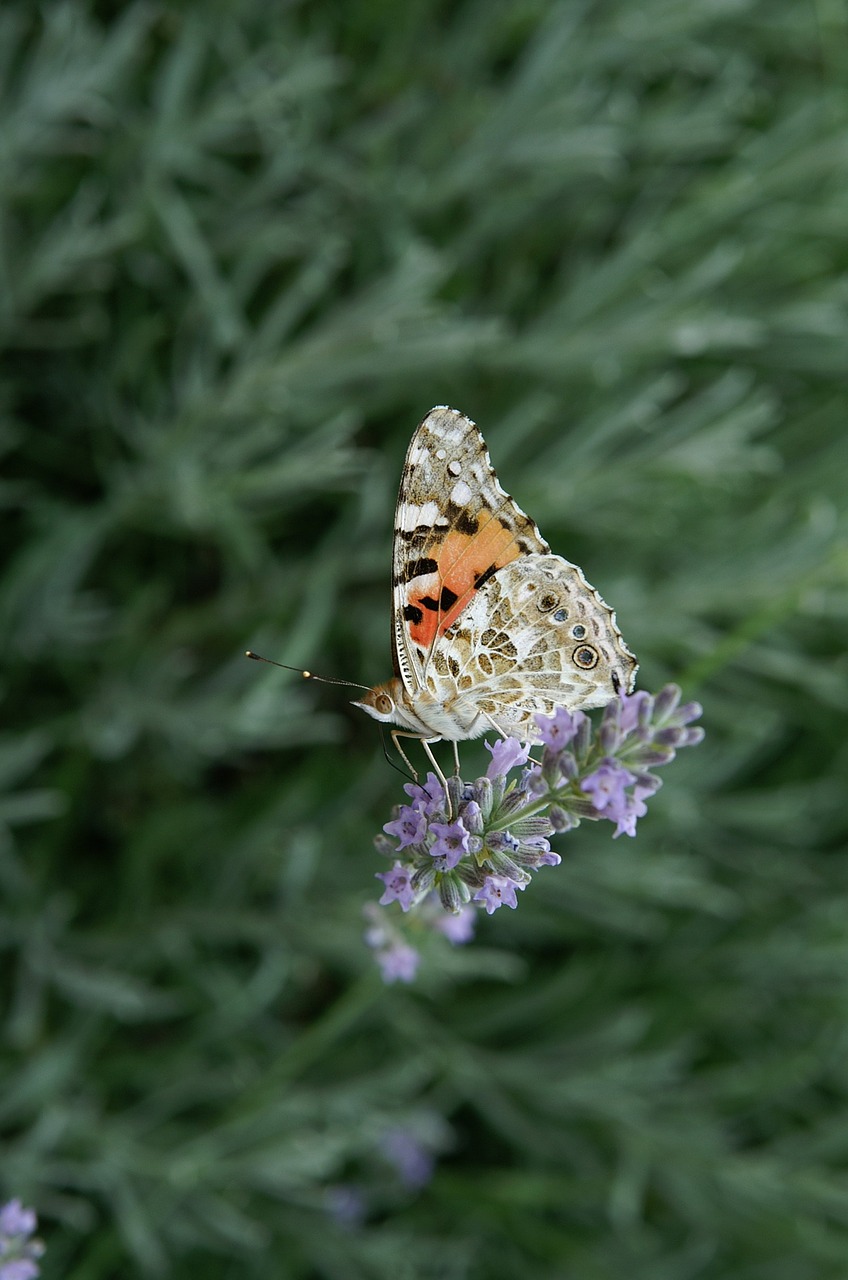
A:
(497, 728)
(399, 749)
(425, 742)
(456, 768)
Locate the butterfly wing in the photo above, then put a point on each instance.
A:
(537, 637)
(455, 528)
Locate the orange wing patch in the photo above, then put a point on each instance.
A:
(463, 562)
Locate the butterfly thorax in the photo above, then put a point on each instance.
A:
(427, 713)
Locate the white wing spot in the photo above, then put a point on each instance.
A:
(460, 494)
(441, 454)
(411, 517)
(455, 468)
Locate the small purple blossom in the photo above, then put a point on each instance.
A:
(346, 1205)
(398, 962)
(606, 785)
(430, 798)
(412, 1162)
(398, 886)
(506, 754)
(451, 843)
(409, 827)
(633, 708)
(558, 730)
(458, 928)
(626, 815)
(497, 891)
(15, 1220)
(17, 1251)
(19, 1269)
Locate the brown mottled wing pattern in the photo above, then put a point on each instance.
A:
(536, 637)
(455, 527)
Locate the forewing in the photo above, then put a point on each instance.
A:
(455, 527)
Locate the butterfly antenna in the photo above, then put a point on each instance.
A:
(307, 675)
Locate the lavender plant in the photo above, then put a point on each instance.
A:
(476, 845)
(18, 1249)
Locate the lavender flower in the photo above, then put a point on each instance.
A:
(497, 891)
(506, 754)
(626, 814)
(457, 927)
(346, 1205)
(409, 826)
(398, 962)
(635, 708)
(17, 1250)
(410, 1159)
(428, 799)
(475, 845)
(398, 886)
(606, 786)
(451, 844)
(557, 731)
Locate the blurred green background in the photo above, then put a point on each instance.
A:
(244, 247)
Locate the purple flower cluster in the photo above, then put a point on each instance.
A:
(18, 1251)
(476, 844)
(411, 1160)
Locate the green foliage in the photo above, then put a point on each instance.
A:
(243, 249)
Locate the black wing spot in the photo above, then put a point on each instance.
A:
(446, 601)
(484, 576)
(419, 569)
(460, 519)
(412, 614)
(420, 534)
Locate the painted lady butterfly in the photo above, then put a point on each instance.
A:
(490, 628)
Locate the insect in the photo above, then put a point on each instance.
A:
(489, 627)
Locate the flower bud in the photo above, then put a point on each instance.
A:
(562, 821)
(451, 893)
(484, 796)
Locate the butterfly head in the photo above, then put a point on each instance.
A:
(389, 704)
(382, 701)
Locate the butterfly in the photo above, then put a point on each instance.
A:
(489, 627)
